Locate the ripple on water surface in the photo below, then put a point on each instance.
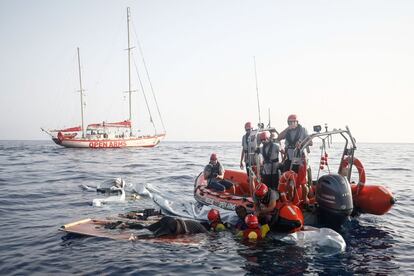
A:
(40, 191)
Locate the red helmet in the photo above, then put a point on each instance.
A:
(264, 135)
(251, 221)
(248, 125)
(292, 117)
(262, 190)
(213, 157)
(213, 215)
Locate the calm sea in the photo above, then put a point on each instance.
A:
(39, 192)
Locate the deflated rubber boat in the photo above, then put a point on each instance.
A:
(115, 228)
(333, 197)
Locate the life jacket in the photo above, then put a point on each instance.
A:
(215, 169)
(268, 154)
(252, 234)
(293, 140)
(217, 226)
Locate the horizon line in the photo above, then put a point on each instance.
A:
(204, 141)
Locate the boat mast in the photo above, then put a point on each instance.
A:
(81, 93)
(257, 90)
(129, 70)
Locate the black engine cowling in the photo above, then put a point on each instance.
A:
(334, 198)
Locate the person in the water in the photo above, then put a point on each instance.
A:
(254, 230)
(176, 226)
(215, 222)
(168, 226)
(241, 214)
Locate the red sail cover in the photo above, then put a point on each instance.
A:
(125, 123)
(70, 129)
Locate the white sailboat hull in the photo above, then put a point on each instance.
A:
(140, 141)
(104, 134)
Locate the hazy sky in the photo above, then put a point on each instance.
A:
(336, 62)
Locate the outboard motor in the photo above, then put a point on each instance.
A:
(334, 198)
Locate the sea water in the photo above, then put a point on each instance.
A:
(39, 192)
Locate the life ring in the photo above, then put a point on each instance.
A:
(288, 189)
(361, 170)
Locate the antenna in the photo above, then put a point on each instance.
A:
(257, 90)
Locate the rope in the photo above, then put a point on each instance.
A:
(145, 96)
(148, 77)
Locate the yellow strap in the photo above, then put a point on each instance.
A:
(264, 229)
(220, 227)
(252, 235)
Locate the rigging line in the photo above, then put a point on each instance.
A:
(148, 77)
(145, 96)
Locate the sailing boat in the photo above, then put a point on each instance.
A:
(107, 135)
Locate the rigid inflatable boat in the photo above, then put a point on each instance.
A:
(332, 198)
